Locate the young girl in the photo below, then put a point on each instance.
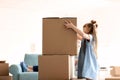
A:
(87, 60)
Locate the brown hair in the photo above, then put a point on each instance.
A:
(93, 25)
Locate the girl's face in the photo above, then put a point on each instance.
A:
(86, 29)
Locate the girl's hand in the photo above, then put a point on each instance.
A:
(69, 24)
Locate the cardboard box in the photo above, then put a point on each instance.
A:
(5, 77)
(112, 78)
(57, 39)
(115, 71)
(4, 69)
(55, 67)
(77, 79)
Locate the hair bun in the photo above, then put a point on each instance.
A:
(93, 21)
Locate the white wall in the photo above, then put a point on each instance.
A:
(21, 25)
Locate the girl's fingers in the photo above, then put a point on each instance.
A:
(67, 21)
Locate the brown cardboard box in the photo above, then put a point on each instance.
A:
(77, 79)
(112, 78)
(115, 71)
(4, 69)
(5, 77)
(57, 39)
(55, 67)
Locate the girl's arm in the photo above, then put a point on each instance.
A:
(79, 37)
(69, 24)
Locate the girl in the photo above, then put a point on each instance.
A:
(87, 60)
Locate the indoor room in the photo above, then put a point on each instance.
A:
(21, 28)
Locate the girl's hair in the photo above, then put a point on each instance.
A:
(93, 25)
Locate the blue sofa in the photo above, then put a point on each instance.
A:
(16, 71)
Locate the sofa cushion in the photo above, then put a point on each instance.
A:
(31, 59)
(28, 76)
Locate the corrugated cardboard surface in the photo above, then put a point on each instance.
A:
(77, 79)
(115, 71)
(55, 67)
(57, 39)
(4, 69)
(112, 78)
(5, 77)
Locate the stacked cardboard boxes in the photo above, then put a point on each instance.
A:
(4, 72)
(59, 49)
